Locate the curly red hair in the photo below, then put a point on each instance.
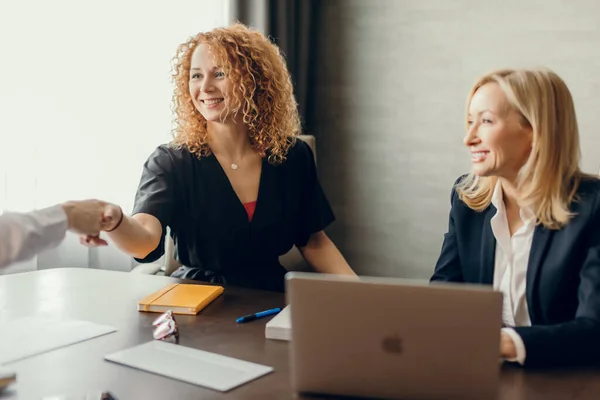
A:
(262, 92)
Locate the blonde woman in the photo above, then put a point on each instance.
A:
(235, 186)
(527, 220)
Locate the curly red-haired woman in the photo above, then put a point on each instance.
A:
(235, 186)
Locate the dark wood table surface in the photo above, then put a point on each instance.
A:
(110, 298)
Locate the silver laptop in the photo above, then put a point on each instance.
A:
(393, 338)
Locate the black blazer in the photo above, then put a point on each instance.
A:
(563, 276)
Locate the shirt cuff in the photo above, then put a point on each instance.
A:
(519, 345)
(55, 213)
(54, 217)
(51, 225)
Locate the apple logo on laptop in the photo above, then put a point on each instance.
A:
(392, 344)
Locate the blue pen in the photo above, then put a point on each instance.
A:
(252, 317)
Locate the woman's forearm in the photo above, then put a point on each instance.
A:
(322, 254)
(138, 235)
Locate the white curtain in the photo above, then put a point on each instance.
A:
(85, 96)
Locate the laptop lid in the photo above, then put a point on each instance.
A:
(390, 338)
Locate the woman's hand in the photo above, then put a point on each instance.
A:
(507, 346)
(112, 216)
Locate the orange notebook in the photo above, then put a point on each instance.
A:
(181, 298)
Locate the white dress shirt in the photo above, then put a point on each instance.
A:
(23, 235)
(510, 268)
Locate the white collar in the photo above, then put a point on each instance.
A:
(527, 215)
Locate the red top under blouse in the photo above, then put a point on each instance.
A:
(250, 207)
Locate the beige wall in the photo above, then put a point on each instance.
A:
(389, 109)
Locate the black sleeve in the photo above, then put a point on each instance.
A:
(575, 342)
(155, 194)
(448, 267)
(315, 212)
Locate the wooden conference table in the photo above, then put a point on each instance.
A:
(110, 298)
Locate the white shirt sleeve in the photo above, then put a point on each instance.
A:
(519, 345)
(23, 235)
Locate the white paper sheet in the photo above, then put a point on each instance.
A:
(34, 335)
(190, 365)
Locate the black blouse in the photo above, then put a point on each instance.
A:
(213, 238)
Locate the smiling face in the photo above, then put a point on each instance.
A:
(499, 139)
(209, 87)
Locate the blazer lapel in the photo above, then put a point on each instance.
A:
(539, 247)
(488, 248)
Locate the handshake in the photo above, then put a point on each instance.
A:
(89, 217)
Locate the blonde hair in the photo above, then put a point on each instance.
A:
(549, 179)
(263, 92)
